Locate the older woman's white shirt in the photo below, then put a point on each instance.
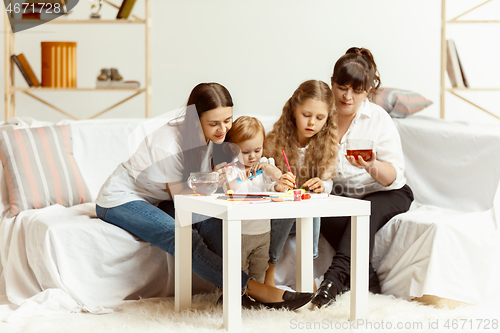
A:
(370, 123)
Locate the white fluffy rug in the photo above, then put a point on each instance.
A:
(386, 313)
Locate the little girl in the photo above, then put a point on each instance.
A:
(248, 136)
(307, 132)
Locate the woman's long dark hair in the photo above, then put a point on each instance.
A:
(357, 69)
(205, 97)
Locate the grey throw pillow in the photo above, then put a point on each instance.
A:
(401, 103)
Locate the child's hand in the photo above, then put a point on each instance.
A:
(315, 184)
(257, 166)
(270, 170)
(285, 182)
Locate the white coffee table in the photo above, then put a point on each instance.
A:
(232, 213)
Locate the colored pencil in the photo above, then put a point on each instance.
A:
(288, 165)
(286, 160)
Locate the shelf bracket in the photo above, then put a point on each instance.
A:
(456, 18)
(50, 105)
(477, 106)
(114, 106)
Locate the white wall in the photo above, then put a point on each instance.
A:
(478, 48)
(260, 50)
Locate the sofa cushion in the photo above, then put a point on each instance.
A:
(401, 103)
(99, 146)
(40, 169)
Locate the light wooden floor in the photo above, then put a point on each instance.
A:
(439, 302)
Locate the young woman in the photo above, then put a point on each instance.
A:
(159, 170)
(379, 179)
(307, 132)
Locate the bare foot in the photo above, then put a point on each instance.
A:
(264, 293)
(269, 279)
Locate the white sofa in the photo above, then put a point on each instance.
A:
(58, 259)
(448, 244)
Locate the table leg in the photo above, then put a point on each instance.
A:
(183, 259)
(360, 242)
(304, 254)
(231, 254)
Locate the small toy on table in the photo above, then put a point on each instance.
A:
(297, 195)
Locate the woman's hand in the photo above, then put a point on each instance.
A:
(285, 182)
(361, 163)
(223, 172)
(243, 176)
(315, 184)
(384, 173)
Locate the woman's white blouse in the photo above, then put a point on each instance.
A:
(370, 123)
(159, 160)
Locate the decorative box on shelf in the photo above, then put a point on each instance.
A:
(59, 64)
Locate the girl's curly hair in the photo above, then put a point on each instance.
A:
(321, 152)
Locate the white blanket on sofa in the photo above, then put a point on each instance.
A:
(448, 244)
(49, 249)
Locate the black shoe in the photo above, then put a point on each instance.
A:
(291, 301)
(327, 293)
(247, 302)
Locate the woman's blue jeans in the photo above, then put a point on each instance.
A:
(280, 229)
(155, 226)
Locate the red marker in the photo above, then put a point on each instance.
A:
(288, 165)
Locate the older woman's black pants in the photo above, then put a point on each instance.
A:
(337, 230)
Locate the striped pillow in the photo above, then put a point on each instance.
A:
(401, 103)
(40, 169)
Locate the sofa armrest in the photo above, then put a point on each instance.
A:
(449, 164)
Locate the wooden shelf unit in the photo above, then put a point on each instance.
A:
(9, 50)
(454, 91)
(62, 20)
(75, 89)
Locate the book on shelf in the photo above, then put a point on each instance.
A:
(42, 10)
(26, 70)
(41, 16)
(454, 66)
(117, 84)
(125, 9)
(30, 16)
(466, 83)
